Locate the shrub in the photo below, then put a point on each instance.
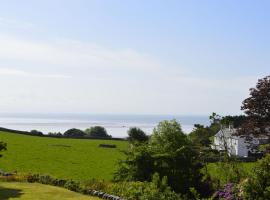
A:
(157, 189)
(36, 133)
(74, 133)
(97, 131)
(99, 185)
(31, 178)
(137, 135)
(258, 186)
(228, 193)
(56, 134)
(46, 180)
(73, 186)
(168, 153)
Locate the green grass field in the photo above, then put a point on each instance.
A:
(35, 191)
(77, 159)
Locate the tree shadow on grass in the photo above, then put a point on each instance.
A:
(7, 193)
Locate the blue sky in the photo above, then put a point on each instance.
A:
(143, 57)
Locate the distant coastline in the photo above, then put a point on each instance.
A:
(116, 125)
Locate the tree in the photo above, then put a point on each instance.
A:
(74, 133)
(97, 131)
(214, 118)
(257, 108)
(200, 136)
(168, 153)
(236, 121)
(36, 133)
(137, 135)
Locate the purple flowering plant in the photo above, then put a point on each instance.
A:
(227, 193)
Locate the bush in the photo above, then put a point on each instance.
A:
(99, 185)
(32, 178)
(229, 192)
(73, 186)
(230, 172)
(36, 133)
(168, 153)
(74, 133)
(137, 135)
(97, 131)
(56, 134)
(258, 186)
(157, 189)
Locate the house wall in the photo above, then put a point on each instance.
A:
(242, 148)
(237, 145)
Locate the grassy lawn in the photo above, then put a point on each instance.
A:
(35, 191)
(61, 158)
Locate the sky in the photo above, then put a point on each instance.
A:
(131, 57)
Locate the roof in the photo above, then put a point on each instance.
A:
(227, 132)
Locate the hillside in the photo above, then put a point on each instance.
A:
(78, 159)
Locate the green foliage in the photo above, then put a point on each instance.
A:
(157, 189)
(168, 153)
(214, 118)
(78, 159)
(229, 172)
(73, 186)
(168, 137)
(222, 172)
(35, 132)
(137, 135)
(74, 133)
(236, 121)
(97, 131)
(258, 186)
(200, 136)
(56, 134)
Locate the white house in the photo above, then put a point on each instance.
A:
(236, 145)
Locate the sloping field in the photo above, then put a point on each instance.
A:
(77, 159)
(35, 191)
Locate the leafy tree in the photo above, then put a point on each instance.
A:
(35, 132)
(214, 118)
(236, 121)
(97, 131)
(200, 136)
(257, 108)
(56, 134)
(74, 133)
(137, 135)
(168, 153)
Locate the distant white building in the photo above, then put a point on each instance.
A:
(236, 145)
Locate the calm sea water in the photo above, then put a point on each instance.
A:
(116, 125)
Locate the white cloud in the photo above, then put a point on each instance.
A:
(15, 72)
(72, 53)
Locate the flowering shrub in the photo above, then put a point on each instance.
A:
(228, 193)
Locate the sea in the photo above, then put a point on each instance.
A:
(116, 125)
